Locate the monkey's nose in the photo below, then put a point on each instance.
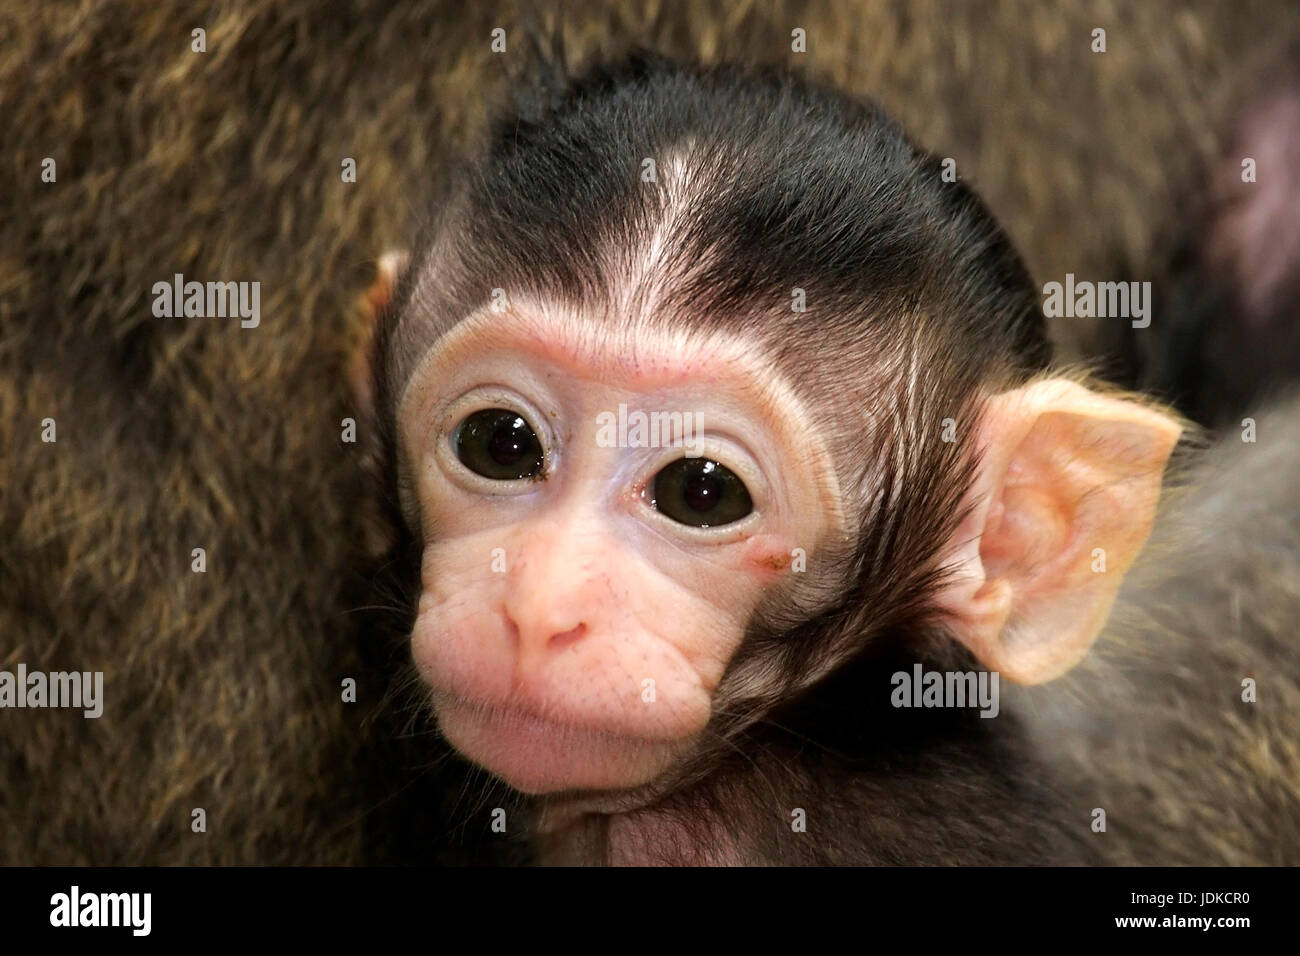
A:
(564, 638)
(540, 637)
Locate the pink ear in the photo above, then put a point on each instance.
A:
(1063, 502)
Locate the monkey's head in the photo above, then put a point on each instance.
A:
(703, 383)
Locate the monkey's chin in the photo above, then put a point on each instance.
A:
(538, 756)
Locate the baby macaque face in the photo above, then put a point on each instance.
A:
(630, 411)
(602, 514)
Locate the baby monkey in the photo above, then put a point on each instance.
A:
(711, 407)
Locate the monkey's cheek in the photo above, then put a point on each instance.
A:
(444, 647)
(538, 756)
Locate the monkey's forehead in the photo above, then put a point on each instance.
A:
(635, 356)
(640, 354)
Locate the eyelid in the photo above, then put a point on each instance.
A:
(720, 534)
(483, 397)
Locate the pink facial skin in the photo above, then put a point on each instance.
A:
(572, 634)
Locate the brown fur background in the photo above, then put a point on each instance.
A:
(223, 689)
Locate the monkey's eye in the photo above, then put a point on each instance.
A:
(498, 444)
(701, 493)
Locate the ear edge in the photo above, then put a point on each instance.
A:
(370, 306)
(993, 618)
(377, 534)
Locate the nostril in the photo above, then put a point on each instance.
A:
(565, 638)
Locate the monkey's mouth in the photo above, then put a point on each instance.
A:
(536, 754)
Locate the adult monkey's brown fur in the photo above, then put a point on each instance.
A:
(223, 689)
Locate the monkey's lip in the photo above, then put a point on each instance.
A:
(513, 716)
(535, 754)
(524, 709)
(517, 718)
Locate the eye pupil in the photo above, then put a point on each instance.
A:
(499, 444)
(701, 491)
(507, 446)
